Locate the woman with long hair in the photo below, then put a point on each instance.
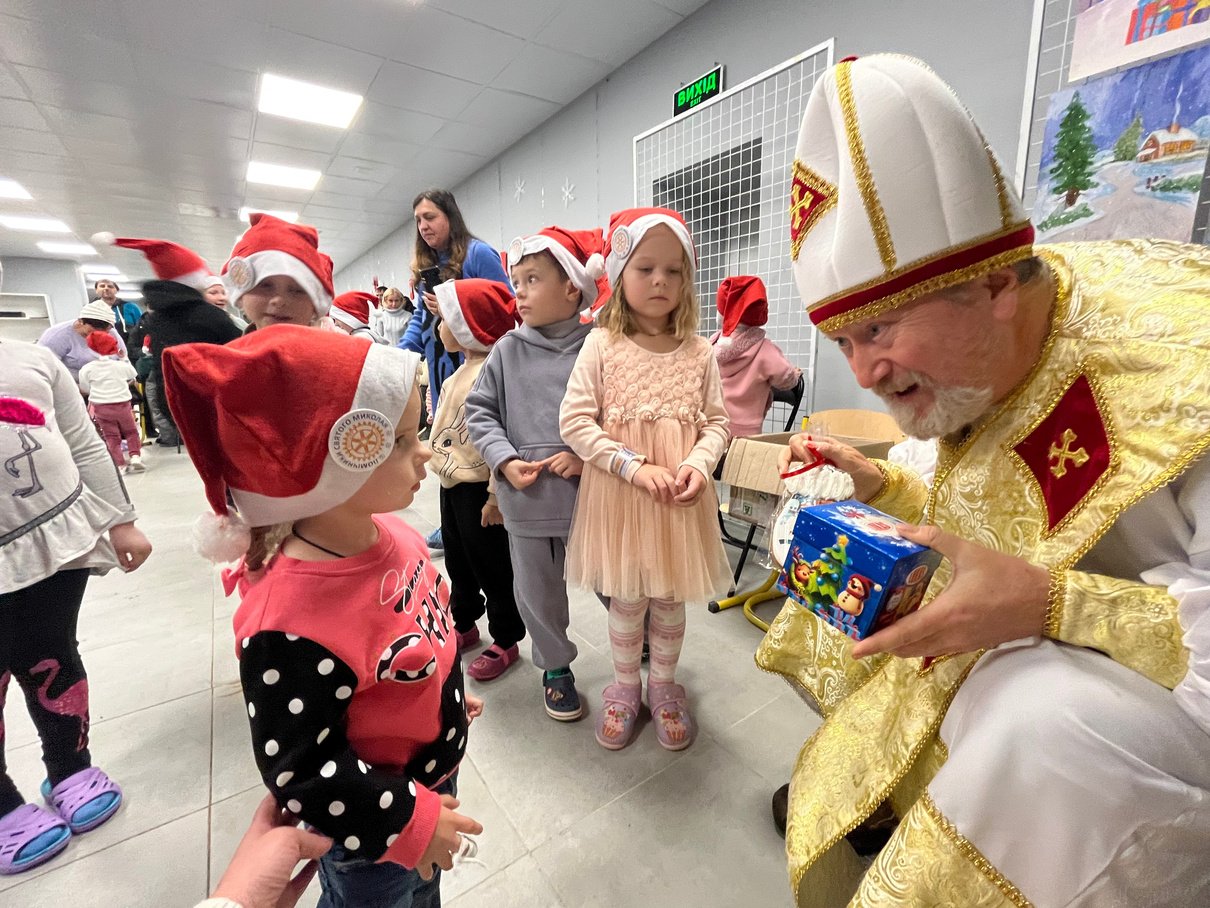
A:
(442, 242)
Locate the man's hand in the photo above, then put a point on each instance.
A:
(130, 544)
(992, 598)
(690, 484)
(807, 449)
(521, 474)
(447, 838)
(430, 302)
(259, 875)
(564, 464)
(658, 481)
(490, 515)
(474, 708)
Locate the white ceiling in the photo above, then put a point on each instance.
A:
(139, 116)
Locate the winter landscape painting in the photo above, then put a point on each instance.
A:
(1125, 155)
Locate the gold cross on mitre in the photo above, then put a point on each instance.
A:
(1078, 456)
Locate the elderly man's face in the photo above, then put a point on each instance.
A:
(934, 361)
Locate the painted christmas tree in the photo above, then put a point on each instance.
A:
(1074, 153)
(1127, 145)
(824, 585)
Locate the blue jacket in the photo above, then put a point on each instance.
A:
(129, 313)
(421, 335)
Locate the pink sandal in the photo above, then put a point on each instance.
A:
(620, 705)
(85, 799)
(30, 836)
(493, 662)
(674, 725)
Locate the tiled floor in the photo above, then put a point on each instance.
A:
(566, 823)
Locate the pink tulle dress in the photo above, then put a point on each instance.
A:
(668, 407)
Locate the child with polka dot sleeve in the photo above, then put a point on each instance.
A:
(347, 651)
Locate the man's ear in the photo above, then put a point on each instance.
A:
(1004, 288)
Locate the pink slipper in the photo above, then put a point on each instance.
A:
(619, 715)
(470, 638)
(493, 662)
(674, 725)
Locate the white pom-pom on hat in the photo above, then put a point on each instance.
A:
(724, 340)
(103, 238)
(595, 266)
(221, 539)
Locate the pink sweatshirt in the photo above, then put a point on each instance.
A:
(751, 367)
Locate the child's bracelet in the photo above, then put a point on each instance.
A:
(625, 463)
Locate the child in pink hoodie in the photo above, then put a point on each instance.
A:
(750, 364)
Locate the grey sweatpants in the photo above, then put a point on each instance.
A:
(541, 594)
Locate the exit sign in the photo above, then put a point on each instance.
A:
(697, 91)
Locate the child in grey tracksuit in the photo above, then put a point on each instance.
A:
(513, 418)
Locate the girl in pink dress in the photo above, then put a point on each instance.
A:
(644, 411)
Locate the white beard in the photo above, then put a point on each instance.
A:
(951, 410)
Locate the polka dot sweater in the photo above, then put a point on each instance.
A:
(354, 691)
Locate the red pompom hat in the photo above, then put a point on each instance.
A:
(170, 261)
(102, 343)
(479, 312)
(354, 308)
(578, 252)
(287, 420)
(742, 300)
(271, 246)
(627, 229)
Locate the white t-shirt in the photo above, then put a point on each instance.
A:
(107, 380)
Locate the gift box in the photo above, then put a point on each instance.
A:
(850, 567)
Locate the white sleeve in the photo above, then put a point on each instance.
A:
(1189, 582)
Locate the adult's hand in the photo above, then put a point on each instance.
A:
(259, 875)
(130, 544)
(806, 449)
(430, 302)
(991, 598)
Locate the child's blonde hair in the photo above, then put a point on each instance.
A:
(616, 316)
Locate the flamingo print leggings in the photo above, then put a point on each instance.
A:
(38, 648)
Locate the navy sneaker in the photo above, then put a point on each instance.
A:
(433, 541)
(562, 699)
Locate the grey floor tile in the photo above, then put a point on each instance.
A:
(161, 758)
(164, 867)
(519, 885)
(768, 741)
(232, 767)
(696, 834)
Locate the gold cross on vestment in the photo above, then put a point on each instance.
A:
(1079, 456)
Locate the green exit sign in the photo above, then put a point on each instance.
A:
(697, 91)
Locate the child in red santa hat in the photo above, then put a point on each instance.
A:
(352, 313)
(475, 313)
(751, 366)
(347, 653)
(106, 381)
(278, 276)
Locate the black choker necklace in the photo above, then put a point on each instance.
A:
(314, 545)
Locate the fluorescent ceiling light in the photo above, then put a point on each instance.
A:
(66, 248)
(100, 269)
(281, 175)
(296, 100)
(11, 189)
(245, 214)
(39, 225)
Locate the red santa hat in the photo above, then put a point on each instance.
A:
(742, 300)
(170, 261)
(354, 308)
(627, 229)
(288, 420)
(863, 586)
(102, 343)
(479, 312)
(578, 252)
(271, 246)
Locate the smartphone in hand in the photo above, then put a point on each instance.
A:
(431, 277)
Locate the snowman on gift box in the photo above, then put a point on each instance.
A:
(851, 602)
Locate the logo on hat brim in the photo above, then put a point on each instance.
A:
(516, 251)
(361, 440)
(619, 243)
(240, 274)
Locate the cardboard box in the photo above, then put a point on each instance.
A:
(751, 471)
(849, 566)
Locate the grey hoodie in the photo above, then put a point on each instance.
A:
(513, 411)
